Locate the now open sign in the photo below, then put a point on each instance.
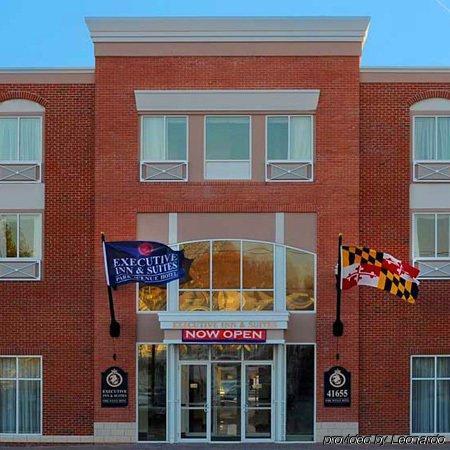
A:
(224, 335)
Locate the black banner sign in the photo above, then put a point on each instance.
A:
(337, 387)
(114, 388)
(143, 262)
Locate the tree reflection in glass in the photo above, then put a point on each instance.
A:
(299, 280)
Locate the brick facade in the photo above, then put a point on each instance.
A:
(391, 331)
(54, 317)
(118, 188)
(91, 174)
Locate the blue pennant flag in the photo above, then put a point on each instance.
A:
(143, 262)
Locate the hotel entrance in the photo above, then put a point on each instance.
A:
(232, 392)
(226, 392)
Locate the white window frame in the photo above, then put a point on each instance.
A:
(17, 259)
(16, 379)
(175, 162)
(279, 281)
(418, 162)
(248, 161)
(435, 379)
(416, 258)
(268, 161)
(15, 162)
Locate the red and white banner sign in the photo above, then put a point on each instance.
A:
(201, 335)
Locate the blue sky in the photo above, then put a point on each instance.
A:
(52, 33)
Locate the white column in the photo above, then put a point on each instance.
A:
(172, 394)
(280, 264)
(172, 287)
(280, 393)
(279, 228)
(173, 228)
(280, 305)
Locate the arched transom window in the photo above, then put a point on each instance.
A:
(239, 275)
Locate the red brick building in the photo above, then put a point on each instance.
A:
(250, 144)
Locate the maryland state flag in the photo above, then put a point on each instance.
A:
(362, 266)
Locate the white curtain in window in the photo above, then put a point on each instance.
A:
(30, 139)
(29, 406)
(7, 406)
(443, 138)
(300, 136)
(8, 139)
(7, 395)
(424, 138)
(424, 241)
(443, 406)
(153, 139)
(423, 406)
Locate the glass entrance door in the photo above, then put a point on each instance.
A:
(225, 393)
(226, 402)
(194, 395)
(258, 401)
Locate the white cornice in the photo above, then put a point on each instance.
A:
(63, 70)
(405, 69)
(228, 29)
(45, 75)
(405, 74)
(227, 100)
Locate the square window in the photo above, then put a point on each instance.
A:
(20, 236)
(20, 139)
(164, 143)
(164, 138)
(289, 148)
(227, 147)
(431, 244)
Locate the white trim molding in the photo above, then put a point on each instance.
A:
(228, 29)
(270, 320)
(405, 74)
(43, 75)
(227, 100)
(426, 196)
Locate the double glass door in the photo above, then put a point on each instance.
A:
(225, 401)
